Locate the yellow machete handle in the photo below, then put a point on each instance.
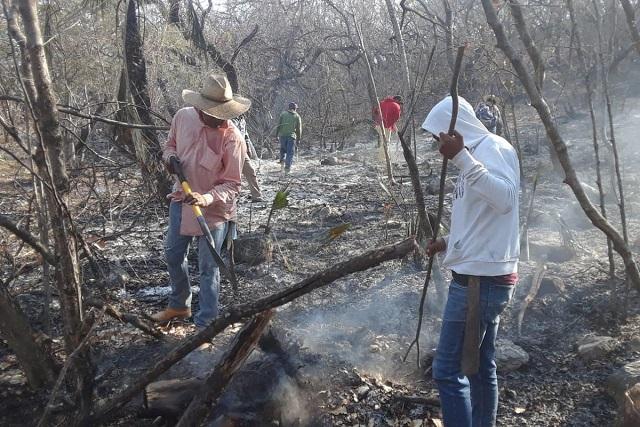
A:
(187, 190)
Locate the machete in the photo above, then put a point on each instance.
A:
(227, 272)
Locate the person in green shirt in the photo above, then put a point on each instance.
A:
(289, 132)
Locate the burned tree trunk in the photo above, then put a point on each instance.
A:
(425, 227)
(529, 44)
(35, 361)
(594, 126)
(148, 149)
(630, 14)
(406, 84)
(52, 165)
(242, 346)
(571, 179)
(604, 75)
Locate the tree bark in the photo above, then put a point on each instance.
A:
(240, 349)
(28, 238)
(406, 83)
(527, 40)
(571, 179)
(150, 155)
(241, 312)
(52, 165)
(631, 22)
(594, 126)
(35, 361)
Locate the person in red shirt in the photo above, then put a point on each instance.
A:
(391, 108)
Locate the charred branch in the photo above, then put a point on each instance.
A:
(28, 238)
(242, 346)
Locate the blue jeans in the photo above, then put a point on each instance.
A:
(176, 250)
(472, 401)
(287, 148)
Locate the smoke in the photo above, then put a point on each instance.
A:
(372, 329)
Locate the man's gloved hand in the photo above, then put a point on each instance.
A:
(435, 246)
(450, 146)
(170, 166)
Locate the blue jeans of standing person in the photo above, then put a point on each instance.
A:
(287, 148)
(176, 250)
(469, 401)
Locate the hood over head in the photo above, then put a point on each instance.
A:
(471, 129)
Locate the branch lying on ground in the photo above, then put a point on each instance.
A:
(28, 238)
(536, 280)
(130, 318)
(241, 312)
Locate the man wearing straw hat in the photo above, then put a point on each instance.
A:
(211, 152)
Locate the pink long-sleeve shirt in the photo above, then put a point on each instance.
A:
(212, 160)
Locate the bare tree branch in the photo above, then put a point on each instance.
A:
(28, 238)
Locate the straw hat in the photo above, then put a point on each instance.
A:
(216, 98)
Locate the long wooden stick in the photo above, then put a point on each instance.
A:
(536, 280)
(385, 139)
(443, 176)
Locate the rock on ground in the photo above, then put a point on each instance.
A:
(252, 249)
(630, 416)
(622, 380)
(329, 161)
(594, 347)
(509, 356)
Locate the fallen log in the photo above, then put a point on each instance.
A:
(238, 313)
(533, 291)
(169, 398)
(242, 346)
(258, 389)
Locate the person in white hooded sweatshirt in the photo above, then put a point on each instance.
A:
(483, 242)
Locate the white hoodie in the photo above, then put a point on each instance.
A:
(484, 238)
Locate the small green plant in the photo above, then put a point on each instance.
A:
(281, 201)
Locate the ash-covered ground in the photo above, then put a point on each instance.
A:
(347, 340)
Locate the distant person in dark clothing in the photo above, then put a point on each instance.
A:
(488, 113)
(289, 132)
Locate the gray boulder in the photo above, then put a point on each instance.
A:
(594, 347)
(329, 161)
(510, 357)
(622, 380)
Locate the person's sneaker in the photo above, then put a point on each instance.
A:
(170, 314)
